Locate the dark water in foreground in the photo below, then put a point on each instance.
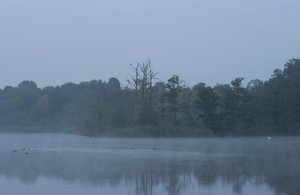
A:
(69, 164)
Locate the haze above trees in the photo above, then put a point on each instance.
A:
(149, 107)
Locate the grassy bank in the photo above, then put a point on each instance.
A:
(145, 131)
(151, 131)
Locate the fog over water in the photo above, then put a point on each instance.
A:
(224, 44)
(69, 164)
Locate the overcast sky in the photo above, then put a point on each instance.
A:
(213, 41)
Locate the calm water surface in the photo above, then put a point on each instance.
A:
(69, 164)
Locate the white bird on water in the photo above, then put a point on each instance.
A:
(269, 137)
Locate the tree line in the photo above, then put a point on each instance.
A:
(149, 107)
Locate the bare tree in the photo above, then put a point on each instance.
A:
(142, 82)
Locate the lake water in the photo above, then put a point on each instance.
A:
(68, 164)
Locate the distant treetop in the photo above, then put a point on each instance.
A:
(114, 83)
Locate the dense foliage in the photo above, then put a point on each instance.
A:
(149, 108)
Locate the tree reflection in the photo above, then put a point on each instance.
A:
(279, 169)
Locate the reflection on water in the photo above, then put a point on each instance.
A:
(67, 164)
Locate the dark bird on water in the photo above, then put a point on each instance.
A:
(25, 150)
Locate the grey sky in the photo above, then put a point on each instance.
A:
(213, 41)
